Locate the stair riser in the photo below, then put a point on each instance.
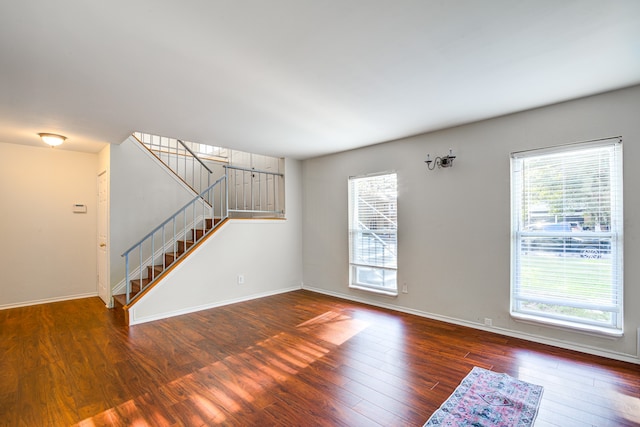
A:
(154, 271)
(211, 222)
(182, 246)
(170, 258)
(135, 286)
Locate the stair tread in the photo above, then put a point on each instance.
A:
(136, 282)
(121, 299)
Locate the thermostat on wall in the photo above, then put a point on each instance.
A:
(79, 208)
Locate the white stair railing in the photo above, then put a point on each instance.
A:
(255, 192)
(172, 239)
(236, 191)
(197, 165)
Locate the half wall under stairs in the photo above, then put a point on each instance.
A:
(265, 252)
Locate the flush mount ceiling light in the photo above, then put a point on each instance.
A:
(52, 139)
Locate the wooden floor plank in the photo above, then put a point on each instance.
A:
(293, 359)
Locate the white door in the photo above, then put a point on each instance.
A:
(262, 184)
(103, 217)
(242, 179)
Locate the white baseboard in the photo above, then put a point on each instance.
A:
(48, 300)
(134, 320)
(501, 331)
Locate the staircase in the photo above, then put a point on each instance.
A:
(169, 258)
(239, 191)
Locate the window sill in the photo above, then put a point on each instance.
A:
(388, 293)
(568, 326)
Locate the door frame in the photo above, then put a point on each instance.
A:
(103, 216)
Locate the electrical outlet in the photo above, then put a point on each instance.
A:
(405, 289)
(488, 322)
(240, 279)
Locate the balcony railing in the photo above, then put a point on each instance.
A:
(198, 165)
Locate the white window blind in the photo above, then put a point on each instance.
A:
(373, 226)
(567, 236)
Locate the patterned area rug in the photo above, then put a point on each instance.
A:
(489, 399)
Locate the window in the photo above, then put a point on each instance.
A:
(567, 236)
(373, 226)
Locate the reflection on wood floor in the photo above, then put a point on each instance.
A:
(296, 359)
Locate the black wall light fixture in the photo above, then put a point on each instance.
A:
(440, 161)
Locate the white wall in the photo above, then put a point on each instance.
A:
(268, 253)
(454, 224)
(47, 252)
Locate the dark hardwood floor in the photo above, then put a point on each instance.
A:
(297, 359)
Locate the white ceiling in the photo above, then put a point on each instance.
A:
(299, 78)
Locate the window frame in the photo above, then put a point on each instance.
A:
(354, 283)
(615, 233)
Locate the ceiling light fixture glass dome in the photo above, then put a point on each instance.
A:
(52, 139)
